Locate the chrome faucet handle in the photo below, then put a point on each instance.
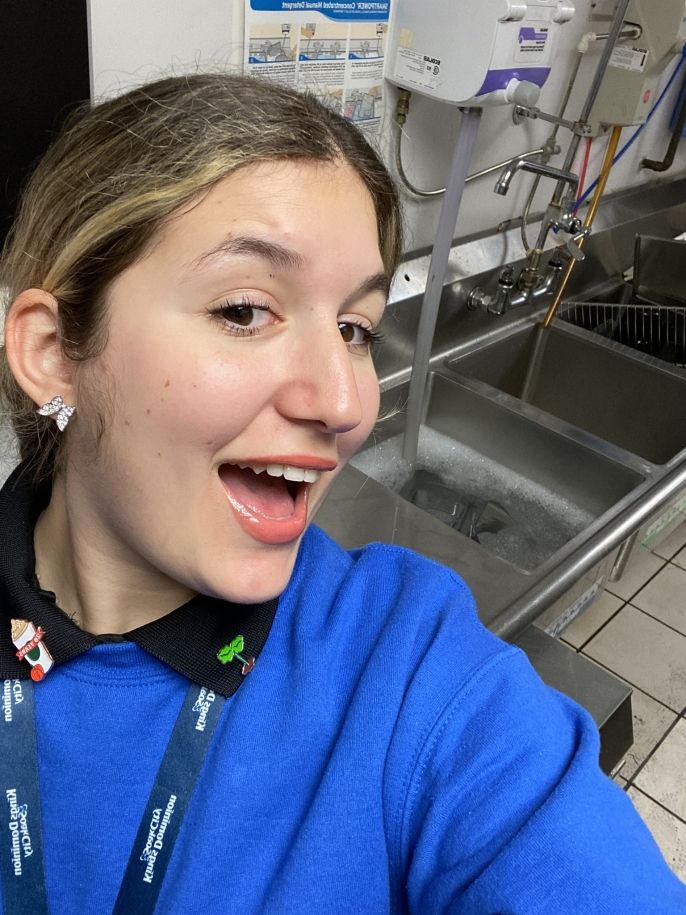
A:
(573, 245)
(478, 298)
(574, 250)
(496, 304)
(501, 300)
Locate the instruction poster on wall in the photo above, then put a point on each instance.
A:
(334, 49)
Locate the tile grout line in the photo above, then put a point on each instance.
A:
(657, 619)
(656, 802)
(633, 594)
(603, 625)
(630, 782)
(679, 715)
(634, 685)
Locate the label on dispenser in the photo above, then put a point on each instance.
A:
(531, 41)
(420, 69)
(629, 59)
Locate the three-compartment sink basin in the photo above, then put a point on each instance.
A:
(524, 497)
(520, 489)
(618, 395)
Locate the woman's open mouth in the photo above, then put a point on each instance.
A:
(270, 500)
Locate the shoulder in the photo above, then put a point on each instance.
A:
(391, 572)
(390, 587)
(399, 603)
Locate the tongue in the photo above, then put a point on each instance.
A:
(268, 496)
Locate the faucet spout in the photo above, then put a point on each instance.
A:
(538, 168)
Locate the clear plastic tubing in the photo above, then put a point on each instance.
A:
(437, 270)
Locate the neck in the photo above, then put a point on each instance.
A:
(102, 590)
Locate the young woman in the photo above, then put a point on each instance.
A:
(208, 706)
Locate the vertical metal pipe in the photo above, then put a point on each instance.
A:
(613, 142)
(437, 269)
(608, 48)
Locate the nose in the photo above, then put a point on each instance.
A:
(320, 384)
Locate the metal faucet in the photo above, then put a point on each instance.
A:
(538, 168)
(504, 300)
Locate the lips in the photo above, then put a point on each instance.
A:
(270, 499)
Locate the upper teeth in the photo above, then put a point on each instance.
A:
(296, 474)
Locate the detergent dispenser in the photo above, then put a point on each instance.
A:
(475, 52)
(627, 92)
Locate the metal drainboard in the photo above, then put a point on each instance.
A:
(657, 330)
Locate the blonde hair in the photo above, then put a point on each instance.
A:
(120, 168)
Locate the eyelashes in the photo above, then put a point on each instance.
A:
(370, 338)
(248, 317)
(238, 318)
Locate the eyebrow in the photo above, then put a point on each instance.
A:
(285, 258)
(377, 282)
(275, 254)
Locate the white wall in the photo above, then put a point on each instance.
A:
(133, 41)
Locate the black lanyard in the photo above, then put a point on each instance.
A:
(21, 849)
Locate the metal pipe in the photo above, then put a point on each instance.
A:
(588, 221)
(437, 270)
(543, 151)
(629, 30)
(527, 608)
(502, 185)
(549, 142)
(662, 166)
(612, 38)
(608, 48)
(623, 557)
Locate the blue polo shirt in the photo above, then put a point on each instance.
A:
(386, 754)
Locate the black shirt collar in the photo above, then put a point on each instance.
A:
(187, 639)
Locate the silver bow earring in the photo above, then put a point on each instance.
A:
(59, 409)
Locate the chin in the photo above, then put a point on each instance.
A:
(256, 578)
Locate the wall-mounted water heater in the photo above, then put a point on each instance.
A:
(627, 92)
(475, 52)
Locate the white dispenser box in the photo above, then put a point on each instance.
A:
(475, 52)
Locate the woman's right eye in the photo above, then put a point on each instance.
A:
(245, 318)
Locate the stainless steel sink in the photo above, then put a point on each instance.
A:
(657, 330)
(601, 432)
(619, 395)
(518, 488)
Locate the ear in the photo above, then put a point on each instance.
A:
(33, 348)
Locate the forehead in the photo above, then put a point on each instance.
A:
(307, 205)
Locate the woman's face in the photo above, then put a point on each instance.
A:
(239, 342)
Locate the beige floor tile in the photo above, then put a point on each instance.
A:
(643, 565)
(664, 597)
(673, 543)
(651, 720)
(680, 558)
(592, 619)
(662, 777)
(668, 832)
(645, 653)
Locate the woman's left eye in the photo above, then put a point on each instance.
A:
(357, 336)
(245, 318)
